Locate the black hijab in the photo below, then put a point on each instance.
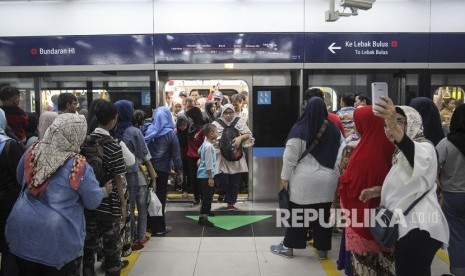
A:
(182, 134)
(195, 114)
(308, 126)
(457, 128)
(430, 117)
(211, 116)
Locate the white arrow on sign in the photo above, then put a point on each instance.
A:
(332, 48)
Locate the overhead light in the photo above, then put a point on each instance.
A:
(229, 66)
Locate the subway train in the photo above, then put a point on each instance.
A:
(145, 50)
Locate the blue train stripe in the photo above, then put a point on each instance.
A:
(268, 151)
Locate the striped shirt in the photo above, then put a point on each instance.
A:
(113, 163)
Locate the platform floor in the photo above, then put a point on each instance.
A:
(199, 251)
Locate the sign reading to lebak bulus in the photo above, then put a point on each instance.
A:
(365, 47)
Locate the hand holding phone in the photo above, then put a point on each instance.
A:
(378, 89)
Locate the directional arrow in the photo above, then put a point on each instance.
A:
(332, 48)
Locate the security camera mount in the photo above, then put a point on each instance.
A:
(332, 14)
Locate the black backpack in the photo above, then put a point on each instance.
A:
(227, 148)
(92, 150)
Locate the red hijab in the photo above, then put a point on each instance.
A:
(368, 165)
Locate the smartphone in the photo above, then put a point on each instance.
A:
(378, 89)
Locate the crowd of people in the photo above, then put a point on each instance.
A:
(72, 184)
(370, 155)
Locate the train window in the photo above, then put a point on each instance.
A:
(201, 89)
(133, 86)
(26, 89)
(447, 98)
(49, 97)
(330, 98)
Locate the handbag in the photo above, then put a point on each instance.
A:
(283, 199)
(155, 208)
(386, 231)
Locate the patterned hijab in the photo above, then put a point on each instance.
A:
(45, 121)
(61, 141)
(431, 118)
(414, 129)
(414, 124)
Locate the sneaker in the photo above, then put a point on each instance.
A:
(337, 231)
(323, 255)
(144, 241)
(281, 251)
(167, 230)
(205, 222)
(137, 246)
(220, 198)
(231, 208)
(124, 264)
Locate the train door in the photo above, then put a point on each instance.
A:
(402, 85)
(448, 92)
(271, 95)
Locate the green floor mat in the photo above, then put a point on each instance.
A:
(233, 222)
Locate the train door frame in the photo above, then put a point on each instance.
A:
(251, 77)
(163, 76)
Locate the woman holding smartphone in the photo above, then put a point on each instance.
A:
(414, 167)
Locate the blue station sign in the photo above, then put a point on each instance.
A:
(229, 48)
(76, 50)
(233, 48)
(447, 47)
(366, 47)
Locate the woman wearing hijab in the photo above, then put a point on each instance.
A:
(413, 174)
(134, 140)
(194, 141)
(229, 173)
(365, 172)
(210, 110)
(10, 154)
(430, 117)
(164, 149)
(451, 155)
(45, 121)
(182, 131)
(57, 184)
(311, 178)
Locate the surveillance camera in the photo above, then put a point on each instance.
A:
(358, 4)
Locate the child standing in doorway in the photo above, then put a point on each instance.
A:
(206, 172)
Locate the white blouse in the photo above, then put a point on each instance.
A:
(309, 182)
(404, 184)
